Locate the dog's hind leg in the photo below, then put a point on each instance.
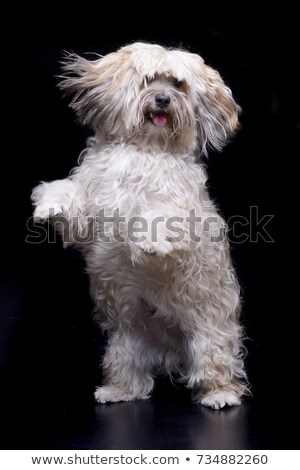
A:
(214, 372)
(214, 357)
(127, 369)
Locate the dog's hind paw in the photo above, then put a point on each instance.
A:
(112, 394)
(220, 398)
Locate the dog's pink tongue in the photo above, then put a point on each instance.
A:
(159, 119)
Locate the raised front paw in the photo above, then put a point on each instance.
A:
(55, 198)
(45, 211)
(161, 248)
(46, 202)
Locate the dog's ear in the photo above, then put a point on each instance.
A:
(217, 112)
(100, 86)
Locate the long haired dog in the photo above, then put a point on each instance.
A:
(137, 206)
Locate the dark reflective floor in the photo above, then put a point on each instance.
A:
(37, 416)
(165, 422)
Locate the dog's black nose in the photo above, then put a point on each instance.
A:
(162, 100)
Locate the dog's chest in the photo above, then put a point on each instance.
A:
(155, 178)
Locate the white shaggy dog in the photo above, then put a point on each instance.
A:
(137, 206)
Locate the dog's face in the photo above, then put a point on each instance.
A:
(164, 115)
(153, 97)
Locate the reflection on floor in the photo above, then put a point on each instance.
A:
(33, 419)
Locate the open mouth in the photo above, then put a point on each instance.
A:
(158, 118)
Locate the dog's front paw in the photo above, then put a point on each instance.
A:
(45, 211)
(56, 198)
(112, 394)
(161, 248)
(45, 202)
(220, 398)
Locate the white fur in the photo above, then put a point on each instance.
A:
(168, 306)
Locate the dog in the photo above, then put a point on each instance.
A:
(137, 206)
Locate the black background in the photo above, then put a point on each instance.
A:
(50, 348)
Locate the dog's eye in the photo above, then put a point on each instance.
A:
(177, 83)
(148, 80)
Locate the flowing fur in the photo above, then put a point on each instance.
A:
(168, 305)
